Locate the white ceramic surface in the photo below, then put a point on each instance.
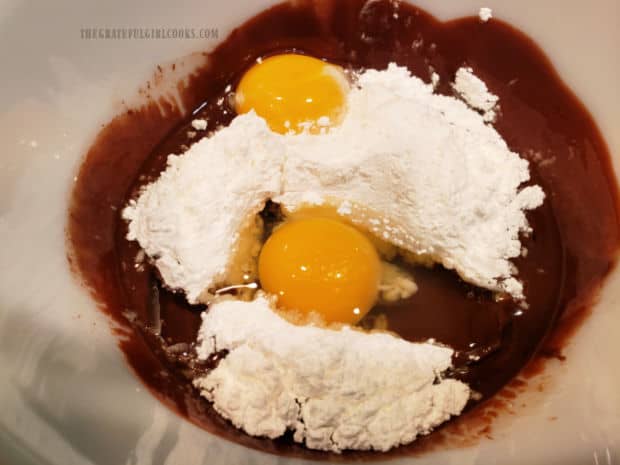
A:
(66, 395)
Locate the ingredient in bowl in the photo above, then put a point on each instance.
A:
(321, 265)
(178, 219)
(334, 389)
(570, 253)
(419, 170)
(475, 93)
(293, 92)
(485, 14)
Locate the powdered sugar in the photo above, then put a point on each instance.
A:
(179, 220)
(446, 181)
(199, 124)
(485, 14)
(334, 389)
(474, 91)
(447, 184)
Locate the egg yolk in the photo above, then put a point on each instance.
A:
(292, 91)
(321, 265)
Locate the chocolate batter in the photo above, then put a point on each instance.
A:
(573, 247)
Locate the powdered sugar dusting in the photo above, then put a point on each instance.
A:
(446, 181)
(485, 14)
(199, 124)
(274, 379)
(474, 91)
(178, 219)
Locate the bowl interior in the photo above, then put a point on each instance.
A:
(68, 396)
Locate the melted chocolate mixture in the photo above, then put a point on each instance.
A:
(576, 231)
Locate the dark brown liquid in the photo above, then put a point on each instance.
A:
(576, 231)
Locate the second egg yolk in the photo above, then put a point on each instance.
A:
(321, 265)
(293, 91)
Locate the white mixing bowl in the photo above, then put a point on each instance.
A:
(67, 396)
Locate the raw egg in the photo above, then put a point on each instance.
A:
(293, 91)
(321, 265)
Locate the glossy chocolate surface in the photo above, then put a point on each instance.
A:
(576, 231)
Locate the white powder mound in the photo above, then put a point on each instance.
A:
(446, 184)
(422, 171)
(474, 91)
(190, 219)
(485, 14)
(335, 390)
(199, 124)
